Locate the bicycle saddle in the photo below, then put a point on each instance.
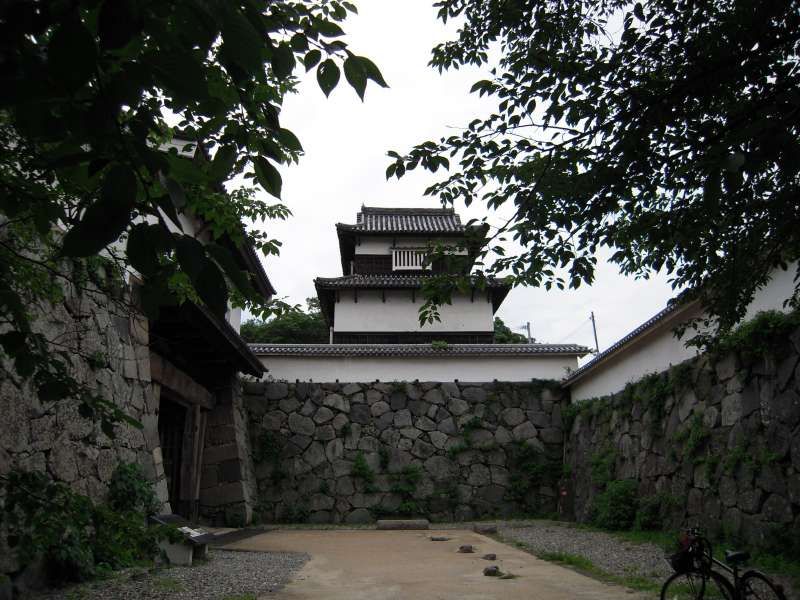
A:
(736, 557)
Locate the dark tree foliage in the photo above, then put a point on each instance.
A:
(290, 327)
(504, 335)
(86, 90)
(667, 132)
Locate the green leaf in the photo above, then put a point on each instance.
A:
(283, 61)
(191, 256)
(356, 75)
(268, 176)
(118, 23)
(180, 74)
(372, 71)
(299, 42)
(105, 219)
(638, 11)
(225, 260)
(329, 29)
(146, 243)
(212, 289)
(72, 53)
(223, 162)
(328, 76)
(288, 139)
(241, 41)
(311, 59)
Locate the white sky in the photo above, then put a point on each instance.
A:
(345, 145)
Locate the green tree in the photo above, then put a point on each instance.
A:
(291, 327)
(504, 335)
(87, 90)
(665, 132)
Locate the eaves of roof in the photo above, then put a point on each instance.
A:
(412, 350)
(673, 310)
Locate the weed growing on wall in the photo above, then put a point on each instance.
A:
(269, 449)
(529, 470)
(602, 464)
(693, 437)
(362, 471)
(405, 485)
(764, 334)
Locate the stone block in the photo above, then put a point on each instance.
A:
(336, 402)
(402, 418)
(379, 408)
(359, 516)
(360, 413)
(300, 424)
(350, 389)
(524, 431)
(474, 395)
(434, 396)
(277, 390)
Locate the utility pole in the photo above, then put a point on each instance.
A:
(527, 327)
(594, 329)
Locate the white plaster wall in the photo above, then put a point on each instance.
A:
(659, 349)
(772, 296)
(466, 368)
(653, 353)
(383, 245)
(234, 317)
(399, 313)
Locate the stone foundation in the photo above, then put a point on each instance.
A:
(720, 446)
(352, 452)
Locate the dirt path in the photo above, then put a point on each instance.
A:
(395, 565)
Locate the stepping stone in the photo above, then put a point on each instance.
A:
(493, 571)
(490, 557)
(466, 549)
(403, 524)
(484, 528)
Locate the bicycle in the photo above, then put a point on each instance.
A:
(696, 579)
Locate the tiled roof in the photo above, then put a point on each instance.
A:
(405, 220)
(384, 280)
(672, 309)
(389, 350)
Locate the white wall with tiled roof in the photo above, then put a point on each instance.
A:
(655, 349)
(423, 368)
(399, 314)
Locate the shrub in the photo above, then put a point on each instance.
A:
(602, 465)
(616, 507)
(653, 511)
(75, 538)
(128, 490)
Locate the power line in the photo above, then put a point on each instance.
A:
(574, 331)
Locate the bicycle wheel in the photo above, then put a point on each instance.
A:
(696, 586)
(756, 586)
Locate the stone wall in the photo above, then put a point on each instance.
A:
(716, 440)
(108, 345)
(352, 452)
(227, 484)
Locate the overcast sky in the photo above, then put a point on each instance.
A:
(345, 145)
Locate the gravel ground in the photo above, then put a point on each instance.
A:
(609, 553)
(227, 575)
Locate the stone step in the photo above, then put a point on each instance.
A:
(403, 524)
